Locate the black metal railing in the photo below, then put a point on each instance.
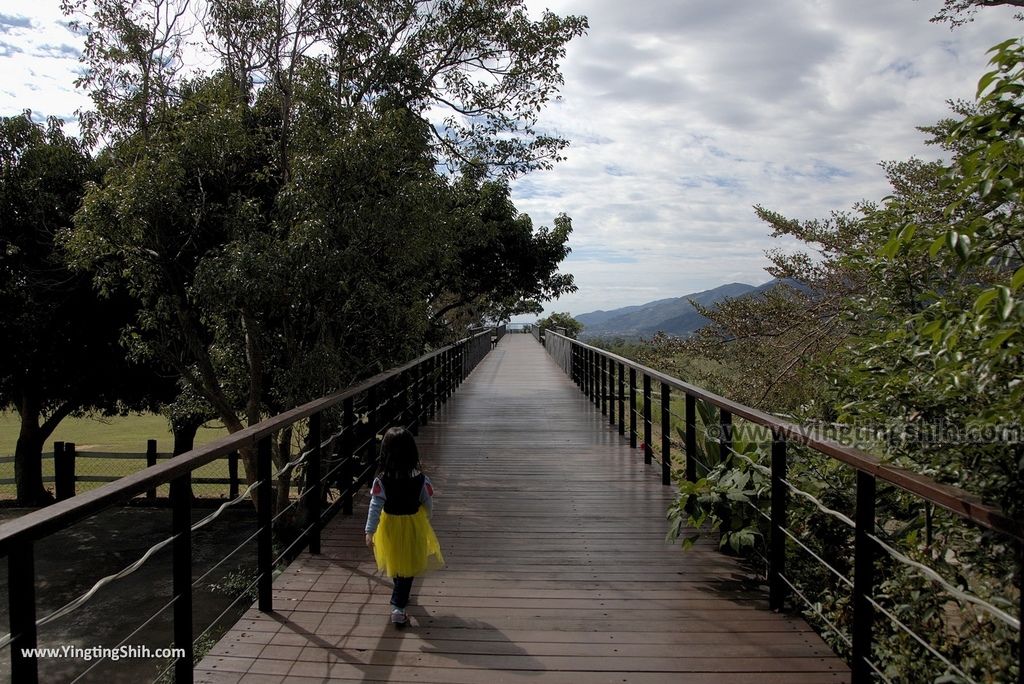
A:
(409, 395)
(610, 382)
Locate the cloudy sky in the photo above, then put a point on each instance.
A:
(683, 115)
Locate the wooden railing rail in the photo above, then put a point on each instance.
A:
(408, 395)
(601, 376)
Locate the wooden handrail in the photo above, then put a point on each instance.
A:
(40, 523)
(951, 498)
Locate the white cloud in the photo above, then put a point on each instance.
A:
(39, 60)
(684, 115)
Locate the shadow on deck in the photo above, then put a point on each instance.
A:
(553, 530)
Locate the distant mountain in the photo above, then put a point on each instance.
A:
(675, 316)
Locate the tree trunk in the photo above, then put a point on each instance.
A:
(184, 435)
(284, 450)
(28, 457)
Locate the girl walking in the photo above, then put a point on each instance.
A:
(398, 523)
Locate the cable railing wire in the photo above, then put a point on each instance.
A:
(123, 641)
(950, 589)
(817, 611)
(928, 647)
(818, 558)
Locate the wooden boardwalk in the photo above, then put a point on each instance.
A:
(553, 530)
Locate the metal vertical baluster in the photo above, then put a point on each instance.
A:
(777, 538)
(603, 384)
(181, 573)
(725, 436)
(313, 493)
(648, 452)
(348, 455)
(666, 440)
(863, 578)
(632, 408)
(691, 438)
(622, 399)
(21, 596)
(264, 518)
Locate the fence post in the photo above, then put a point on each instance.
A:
(264, 520)
(632, 408)
(622, 399)
(21, 593)
(777, 539)
(313, 488)
(64, 471)
(181, 571)
(648, 452)
(691, 438)
(58, 458)
(863, 577)
(666, 439)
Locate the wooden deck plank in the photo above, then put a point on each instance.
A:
(553, 530)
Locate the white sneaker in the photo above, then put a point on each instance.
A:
(399, 617)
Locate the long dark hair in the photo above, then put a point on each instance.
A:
(399, 456)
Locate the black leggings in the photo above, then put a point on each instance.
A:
(400, 594)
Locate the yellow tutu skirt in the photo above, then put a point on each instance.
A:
(406, 546)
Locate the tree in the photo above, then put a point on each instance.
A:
(493, 264)
(59, 341)
(561, 322)
(277, 219)
(960, 12)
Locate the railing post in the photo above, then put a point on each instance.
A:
(648, 452)
(1020, 612)
(64, 471)
(264, 520)
(691, 438)
(21, 596)
(602, 385)
(666, 441)
(863, 577)
(622, 399)
(725, 436)
(347, 456)
(632, 408)
(150, 462)
(777, 538)
(181, 570)
(610, 387)
(587, 380)
(314, 490)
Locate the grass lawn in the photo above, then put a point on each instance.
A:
(117, 434)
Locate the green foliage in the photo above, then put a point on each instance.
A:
(282, 221)
(59, 342)
(561, 322)
(728, 491)
(923, 367)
